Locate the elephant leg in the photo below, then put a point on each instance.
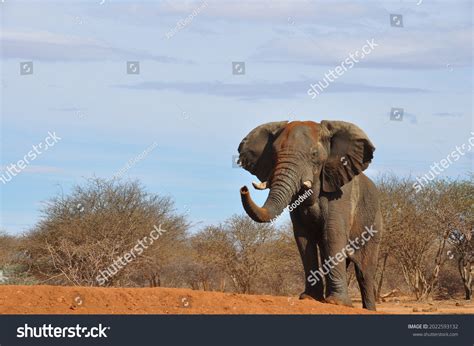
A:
(366, 279)
(365, 263)
(307, 246)
(334, 241)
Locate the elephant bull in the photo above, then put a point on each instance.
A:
(330, 226)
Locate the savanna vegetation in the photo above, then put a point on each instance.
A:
(426, 250)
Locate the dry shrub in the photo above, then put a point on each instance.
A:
(83, 233)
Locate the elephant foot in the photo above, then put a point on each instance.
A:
(311, 296)
(346, 301)
(371, 308)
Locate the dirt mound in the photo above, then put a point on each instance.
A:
(95, 300)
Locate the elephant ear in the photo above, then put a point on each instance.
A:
(256, 149)
(350, 153)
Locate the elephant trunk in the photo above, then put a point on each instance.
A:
(282, 189)
(254, 211)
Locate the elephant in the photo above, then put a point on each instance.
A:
(327, 159)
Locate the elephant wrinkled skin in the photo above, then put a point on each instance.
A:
(328, 157)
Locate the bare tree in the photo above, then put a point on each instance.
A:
(282, 268)
(211, 249)
(8, 245)
(84, 233)
(246, 258)
(391, 195)
(13, 261)
(417, 228)
(459, 214)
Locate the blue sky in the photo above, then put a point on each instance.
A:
(187, 100)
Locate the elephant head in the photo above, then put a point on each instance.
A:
(290, 157)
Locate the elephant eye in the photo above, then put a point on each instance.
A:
(315, 156)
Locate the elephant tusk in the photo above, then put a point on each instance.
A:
(260, 186)
(308, 184)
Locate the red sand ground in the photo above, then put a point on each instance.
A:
(94, 300)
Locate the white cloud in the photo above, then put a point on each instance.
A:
(408, 49)
(48, 46)
(448, 114)
(264, 90)
(303, 10)
(267, 10)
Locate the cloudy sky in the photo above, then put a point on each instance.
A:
(192, 111)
